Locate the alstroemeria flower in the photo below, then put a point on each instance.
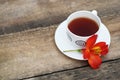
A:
(93, 51)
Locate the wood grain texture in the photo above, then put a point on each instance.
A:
(19, 15)
(33, 52)
(108, 71)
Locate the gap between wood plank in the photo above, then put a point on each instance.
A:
(66, 70)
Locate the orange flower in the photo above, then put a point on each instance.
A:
(92, 51)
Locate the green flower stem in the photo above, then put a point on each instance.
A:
(78, 50)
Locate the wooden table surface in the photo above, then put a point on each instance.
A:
(27, 47)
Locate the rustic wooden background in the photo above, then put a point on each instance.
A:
(27, 48)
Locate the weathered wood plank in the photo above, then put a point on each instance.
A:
(19, 15)
(108, 71)
(31, 53)
(34, 52)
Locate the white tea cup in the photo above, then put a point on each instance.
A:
(77, 40)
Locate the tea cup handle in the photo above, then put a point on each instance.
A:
(94, 12)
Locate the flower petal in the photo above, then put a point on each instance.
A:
(103, 47)
(91, 41)
(100, 44)
(86, 53)
(104, 50)
(94, 61)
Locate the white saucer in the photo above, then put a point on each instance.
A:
(63, 43)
